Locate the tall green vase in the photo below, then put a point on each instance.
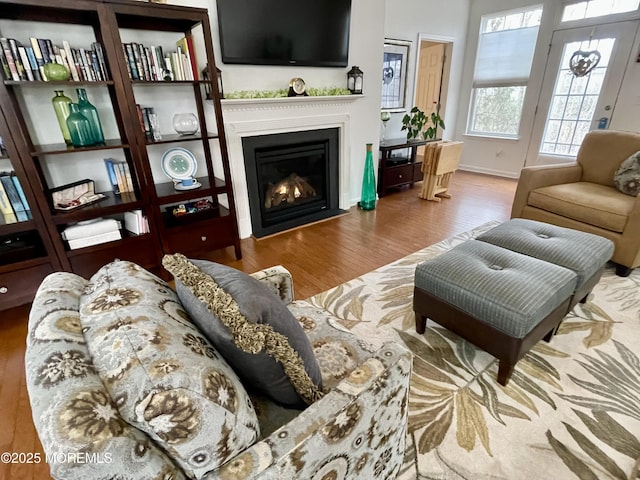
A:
(90, 112)
(368, 198)
(61, 106)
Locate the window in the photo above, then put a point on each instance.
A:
(597, 8)
(503, 63)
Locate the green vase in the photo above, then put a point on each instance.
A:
(61, 107)
(368, 198)
(79, 128)
(90, 112)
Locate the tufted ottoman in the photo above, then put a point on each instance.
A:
(501, 301)
(584, 253)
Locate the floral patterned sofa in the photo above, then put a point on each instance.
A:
(356, 430)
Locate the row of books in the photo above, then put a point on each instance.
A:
(13, 203)
(119, 176)
(152, 64)
(26, 63)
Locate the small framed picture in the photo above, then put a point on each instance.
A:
(394, 74)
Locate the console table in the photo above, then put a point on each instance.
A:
(398, 171)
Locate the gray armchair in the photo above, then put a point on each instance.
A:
(583, 195)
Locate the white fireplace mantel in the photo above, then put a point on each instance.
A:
(265, 116)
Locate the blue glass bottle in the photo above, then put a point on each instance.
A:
(368, 198)
(79, 127)
(91, 114)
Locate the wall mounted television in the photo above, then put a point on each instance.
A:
(282, 32)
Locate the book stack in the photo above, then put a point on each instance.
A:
(135, 222)
(13, 203)
(119, 176)
(152, 64)
(26, 62)
(149, 122)
(92, 232)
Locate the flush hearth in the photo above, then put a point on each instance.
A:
(292, 178)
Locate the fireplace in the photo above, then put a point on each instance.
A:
(292, 178)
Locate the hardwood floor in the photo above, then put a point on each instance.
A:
(319, 256)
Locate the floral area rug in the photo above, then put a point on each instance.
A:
(571, 409)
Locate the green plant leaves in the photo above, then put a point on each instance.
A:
(416, 123)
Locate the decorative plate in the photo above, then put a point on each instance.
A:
(179, 164)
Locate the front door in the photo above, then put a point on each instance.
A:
(570, 106)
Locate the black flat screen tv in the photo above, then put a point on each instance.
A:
(285, 32)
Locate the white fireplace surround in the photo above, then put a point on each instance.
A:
(252, 117)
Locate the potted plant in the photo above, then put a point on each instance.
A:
(417, 123)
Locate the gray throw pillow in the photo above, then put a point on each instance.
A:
(251, 328)
(627, 176)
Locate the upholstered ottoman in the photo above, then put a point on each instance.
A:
(501, 301)
(584, 253)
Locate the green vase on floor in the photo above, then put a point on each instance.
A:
(61, 107)
(368, 198)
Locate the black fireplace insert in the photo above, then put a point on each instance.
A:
(292, 178)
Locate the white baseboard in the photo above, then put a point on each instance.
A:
(489, 171)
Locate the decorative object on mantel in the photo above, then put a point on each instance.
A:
(415, 123)
(283, 93)
(297, 88)
(207, 85)
(582, 62)
(368, 197)
(185, 123)
(355, 79)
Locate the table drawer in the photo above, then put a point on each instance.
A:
(20, 286)
(400, 175)
(200, 237)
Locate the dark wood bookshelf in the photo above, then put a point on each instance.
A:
(112, 22)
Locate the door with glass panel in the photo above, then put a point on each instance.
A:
(571, 105)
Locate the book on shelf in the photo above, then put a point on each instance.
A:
(8, 214)
(11, 62)
(23, 198)
(20, 210)
(90, 228)
(111, 173)
(95, 240)
(135, 222)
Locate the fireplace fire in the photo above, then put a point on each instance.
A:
(292, 178)
(290, 190)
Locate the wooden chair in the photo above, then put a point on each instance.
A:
(441, 160)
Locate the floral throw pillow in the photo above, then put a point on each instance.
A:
(627, 177)
(161, 373)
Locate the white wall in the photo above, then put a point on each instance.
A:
(406, 20)
(506, 157)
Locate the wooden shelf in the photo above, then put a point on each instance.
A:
(113, 23)
(63, 148)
